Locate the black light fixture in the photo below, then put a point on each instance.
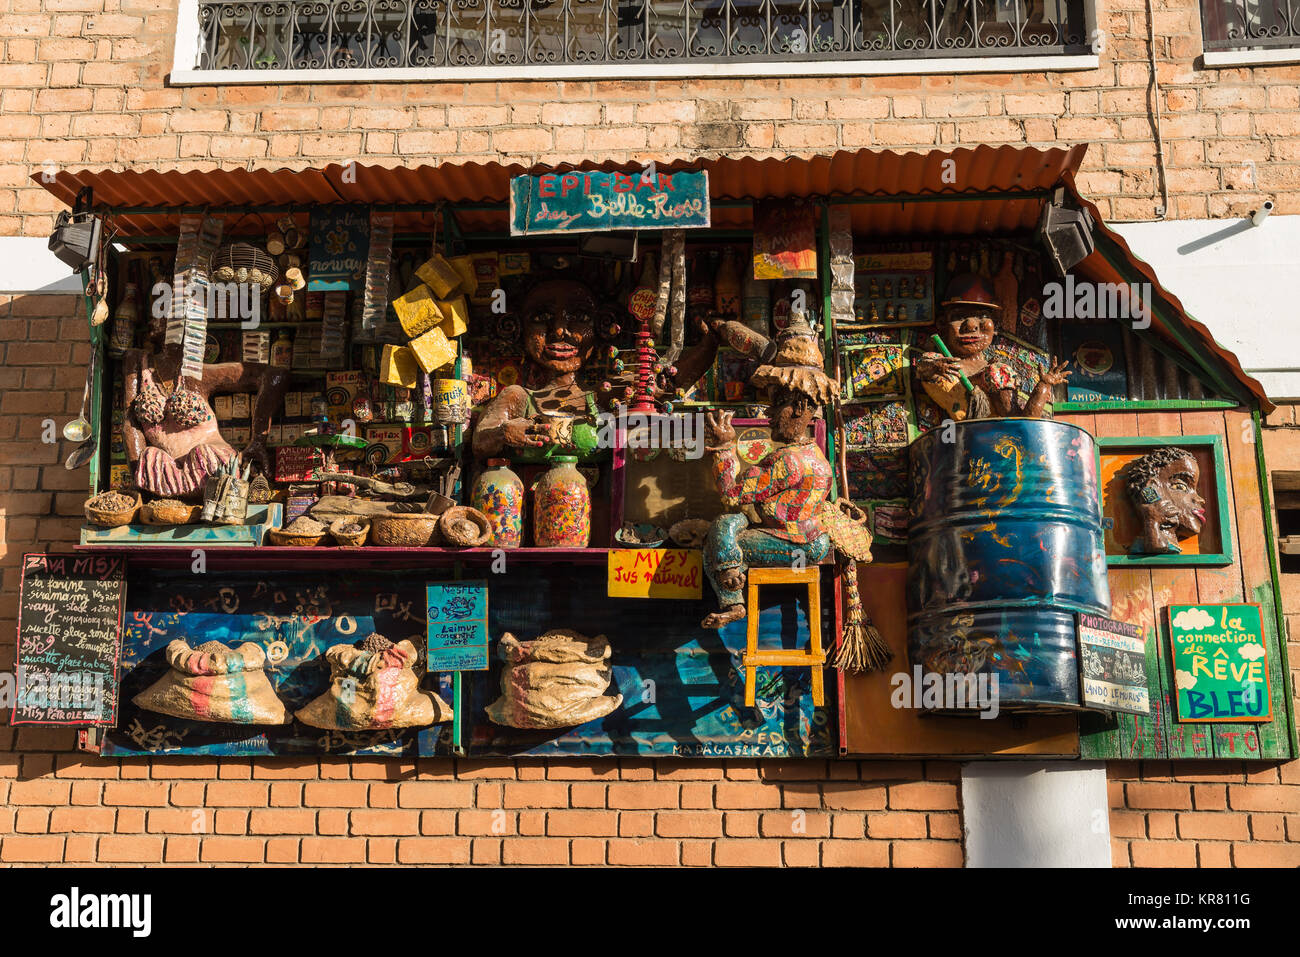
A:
(76, 235)
(609, 245)
(1065, 233)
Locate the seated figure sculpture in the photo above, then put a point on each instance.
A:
(967, 327)
(788, 487)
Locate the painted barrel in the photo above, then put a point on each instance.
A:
(1004, 547)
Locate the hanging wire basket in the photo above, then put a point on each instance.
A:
(244, 262)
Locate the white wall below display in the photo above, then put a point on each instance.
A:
(27, 266)
(1241, 280)
(1035, 814)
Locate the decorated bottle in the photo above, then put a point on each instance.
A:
(756, 301)
(726, 286)
(122, 336)
(562, 506)
(499, 494)
(282, 350)
(699, 289)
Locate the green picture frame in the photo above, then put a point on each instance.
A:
(1215, 496)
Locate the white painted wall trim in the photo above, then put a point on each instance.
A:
(1227, 58)
(27, 266)
(186, 57)
(1036, 814)
(642, 71)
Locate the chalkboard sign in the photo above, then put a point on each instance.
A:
(458, 632)
(1113, 665)
(340, 243)
(69, 639)
(1220, 663)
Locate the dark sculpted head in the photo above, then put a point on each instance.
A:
(1167, 479)
(791, 412)
(559, 325)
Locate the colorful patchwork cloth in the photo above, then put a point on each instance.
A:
(732, 543)
(788, 487)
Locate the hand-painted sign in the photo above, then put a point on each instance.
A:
(1220, 663)
(1113, 665)
(591, 201)
(655, 573)
(458, 632)
(69, 639)
(340, 243)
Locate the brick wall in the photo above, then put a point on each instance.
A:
(59, 805)
(83, 86)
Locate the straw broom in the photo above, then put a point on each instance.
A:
(861, 647)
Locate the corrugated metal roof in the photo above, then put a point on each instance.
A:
(1097, 268)
(960, 192)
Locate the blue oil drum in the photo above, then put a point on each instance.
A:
(1004, 546)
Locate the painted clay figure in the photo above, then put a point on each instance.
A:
(172, 435)
(787, 487)
(559, 332)
(967, 327)
(1163, 488)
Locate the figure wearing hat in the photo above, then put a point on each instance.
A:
(788, 488)
(967, 327)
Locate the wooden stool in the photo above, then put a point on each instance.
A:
(813, 657)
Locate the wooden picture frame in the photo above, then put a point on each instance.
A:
(1213, 546)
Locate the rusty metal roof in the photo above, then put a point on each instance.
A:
(960, 192)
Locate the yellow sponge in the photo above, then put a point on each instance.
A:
(455, 316)
(417, 311)
(464, 266)
(440, 275)
(432, 350)
(397, 366)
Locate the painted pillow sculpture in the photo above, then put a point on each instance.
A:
(558, 680)
(215, 682)
(373, 686)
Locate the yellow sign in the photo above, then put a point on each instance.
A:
(655, 573)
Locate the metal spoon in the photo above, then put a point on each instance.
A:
(80, 429)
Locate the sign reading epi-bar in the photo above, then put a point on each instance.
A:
(591, 201)
(69, 639)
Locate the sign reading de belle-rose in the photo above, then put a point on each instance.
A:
(1220, 663)
(458, 631)
(1113, 665)
(590, 201)
(69, 639)
(654, 573)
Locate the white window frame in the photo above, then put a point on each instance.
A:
(186, 55)
(1219, 59)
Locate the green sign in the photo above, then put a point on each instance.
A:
(1220, 663)
(590, 201)
(458, 630)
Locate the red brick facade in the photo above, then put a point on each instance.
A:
(82, 84)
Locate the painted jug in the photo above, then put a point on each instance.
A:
(499, 494)
(562, 506)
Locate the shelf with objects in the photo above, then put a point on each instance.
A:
(777, 476)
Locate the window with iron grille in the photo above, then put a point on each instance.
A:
(607, 36)
(1250, 24)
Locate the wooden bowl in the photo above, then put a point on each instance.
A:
(404, 530)
(279, 536)
(106, 518)
(154, 513)
(350, 539)
(466, 527)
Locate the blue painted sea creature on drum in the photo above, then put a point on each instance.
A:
(1005, 545)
